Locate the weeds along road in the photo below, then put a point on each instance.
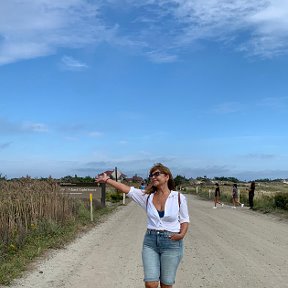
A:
(224, 248)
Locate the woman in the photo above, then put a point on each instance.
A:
(167, 224)
(235, 196)
(217, 196)
(251, 195)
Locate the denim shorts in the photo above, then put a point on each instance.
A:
(161, 256)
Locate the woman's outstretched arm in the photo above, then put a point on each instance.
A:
(103, 178)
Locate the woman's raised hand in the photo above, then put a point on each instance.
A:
(102, 178)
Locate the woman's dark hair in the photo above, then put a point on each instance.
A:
(165, 170)
(252, 186)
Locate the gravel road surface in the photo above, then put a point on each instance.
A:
(224, 248)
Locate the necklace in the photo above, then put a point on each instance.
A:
(160, 200)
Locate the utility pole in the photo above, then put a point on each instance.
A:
(103, 194)
(116, 177)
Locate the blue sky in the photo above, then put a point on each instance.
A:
(200, 86)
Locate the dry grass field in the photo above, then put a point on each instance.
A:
(269, 196)
(36, 215)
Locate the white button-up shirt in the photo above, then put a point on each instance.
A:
(173, 216)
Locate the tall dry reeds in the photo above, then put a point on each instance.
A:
(25, 203)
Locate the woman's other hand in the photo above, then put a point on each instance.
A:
(176, 237)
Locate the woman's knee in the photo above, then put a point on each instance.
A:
(153, 284)
(165, 286)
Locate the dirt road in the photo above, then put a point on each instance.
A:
(224, 248)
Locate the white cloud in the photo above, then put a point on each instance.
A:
(272, 19)
(69, 63)
(161, 57)
(265, 24)
(270, 37)
(35, 28)
(258, 28)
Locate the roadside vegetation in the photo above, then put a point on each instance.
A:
(271, 196)
(36, 216)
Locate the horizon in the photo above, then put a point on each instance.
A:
(145, 178)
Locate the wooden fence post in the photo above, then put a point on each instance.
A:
(103, 194)
(91, 206)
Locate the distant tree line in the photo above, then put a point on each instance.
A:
(230, 179)
(179, 180)
(269, 180)
(77, 179)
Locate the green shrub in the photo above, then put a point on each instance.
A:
(114, 197)
(83, 210)
(281, 200)
(226, 198)
(264, 203)
(244, 198)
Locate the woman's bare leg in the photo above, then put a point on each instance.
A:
(218, 201)
(153, 284)
(239, 203)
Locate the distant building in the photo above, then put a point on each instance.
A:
(135, 179)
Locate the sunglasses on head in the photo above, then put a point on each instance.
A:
(155, 174)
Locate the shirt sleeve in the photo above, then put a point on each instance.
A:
(183, 213)
(138, 196)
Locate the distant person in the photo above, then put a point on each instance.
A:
(217, 196)
(167, 224)
(142, 186)
(251, 195)
(235, 197)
